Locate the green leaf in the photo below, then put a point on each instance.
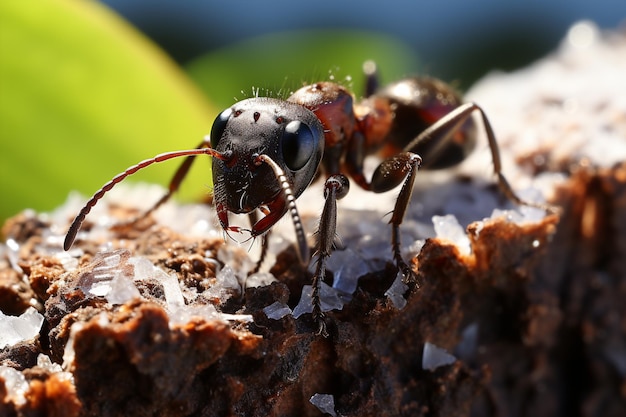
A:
(280, 63)
(82, 97)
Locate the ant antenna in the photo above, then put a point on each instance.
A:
(303, 247)
(80, 217)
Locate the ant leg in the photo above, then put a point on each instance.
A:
(393, 171)
(286, 202)
(335, 188)
(504, 185)
(441, 132)
(397, 169)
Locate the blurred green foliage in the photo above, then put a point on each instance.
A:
(83, 95)
(280, 63)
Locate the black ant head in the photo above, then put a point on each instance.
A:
(287, 133)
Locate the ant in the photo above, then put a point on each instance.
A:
(267, 151)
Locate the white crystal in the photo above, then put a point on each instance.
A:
(184, 314)
(435, 357)
(171, 288)
(468, 345)
(18, 329)
(142, 267)
(329, 297)
(277, 310)
(122, 289)
(347, 266)
(259, 279)
(110, 277)
(44, 361)
(396, 292)
(236, 258)
(243, 318)
(68, 261)
(325, 403)
(448, 227)
(15, 383)
(227, 279)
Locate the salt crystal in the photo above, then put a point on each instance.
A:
(109, 277)
(122, 289)
(325, 403)
(468, 345)
(304, 305)
(347, 266)
(69, 353)
(44, 361)
(227, 279)
(435, 357)
(184, 314)
(277, 310)
(448, 227)
(171, 288)
(12, 254)
(143, 268)
(102, 287)
(396, 292)
(66, 259)
(233, 256)
(243, 318)
(511, 216)
(108, 260)
(329, 298)
(15, 384)
(259, 279)
(374, 250)
(14, 330)
(12, 245)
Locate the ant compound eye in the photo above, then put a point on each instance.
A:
(219, 125)
(298, 143)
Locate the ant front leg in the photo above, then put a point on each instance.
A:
(395, 170)
(335, 188)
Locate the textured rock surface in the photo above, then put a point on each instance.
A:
(522, 315)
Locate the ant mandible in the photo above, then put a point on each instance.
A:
(267, 151)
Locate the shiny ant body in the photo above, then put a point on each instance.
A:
(267, 151)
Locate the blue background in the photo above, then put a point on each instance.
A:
(455, 39)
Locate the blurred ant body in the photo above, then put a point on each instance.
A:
(267, 151)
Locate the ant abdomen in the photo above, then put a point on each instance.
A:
(415, 104)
